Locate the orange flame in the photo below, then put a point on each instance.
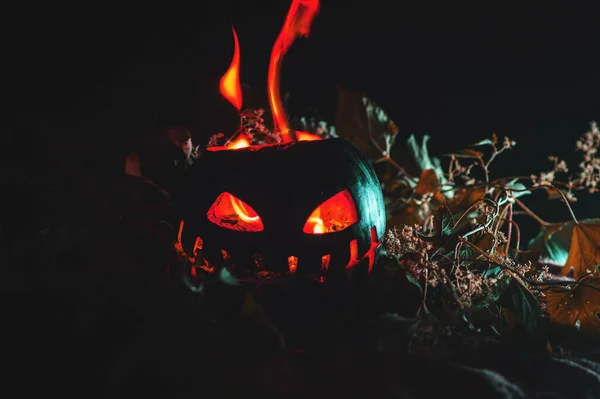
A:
(230, 82)
(297, 23)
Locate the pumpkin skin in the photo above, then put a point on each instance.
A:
(283, 184)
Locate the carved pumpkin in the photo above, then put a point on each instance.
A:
(307, 208)
(303, 220)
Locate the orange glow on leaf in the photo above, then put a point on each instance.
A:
(297, 23)
(230, 85)
(335, 214)
(232, 213)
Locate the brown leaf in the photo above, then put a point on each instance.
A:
(428, 183)
(463, 199)
(365, 124)
(485, 241)
(409, 216)
(584, 253)
(554, 194)
(580, 304)
(474, 153)
(553, 242)
(392, 183)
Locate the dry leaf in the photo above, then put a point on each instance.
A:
(485, 241)
(366, 125)
(468, 151)
(415, 157)
(580, 306)
(554, 194)
(415, 212)
(409, 215)
(584, 253)
(428, 183)
(493, 141)
(463, 199)
(552, 244)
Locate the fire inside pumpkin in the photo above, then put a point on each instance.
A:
(303, 206)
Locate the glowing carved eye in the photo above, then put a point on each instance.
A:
(335, 214)
(232, 213)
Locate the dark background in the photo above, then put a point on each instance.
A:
(85, 84)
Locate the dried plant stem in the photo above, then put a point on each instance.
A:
(509, 231)
(465, 213)
(517, 233)
(545, 187)
(499, 220)
(484, 166)
(531, 213)
(565, 200)
(395, 165)
(424, 298)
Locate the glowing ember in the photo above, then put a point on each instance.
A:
(303, 136)
(230, 82)
(243, 142)
(240, 142)
(297, 23)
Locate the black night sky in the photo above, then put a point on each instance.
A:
(89, 84)
(454, 71)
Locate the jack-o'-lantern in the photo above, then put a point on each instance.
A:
(300, 212)
(305, 208)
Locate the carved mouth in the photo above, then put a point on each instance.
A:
(199, 266)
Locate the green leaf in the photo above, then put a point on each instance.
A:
(443, 223)
(521, 302)
(517, 188)
(418, 154)
(492, 272)
(483, 142)
(413, 280)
